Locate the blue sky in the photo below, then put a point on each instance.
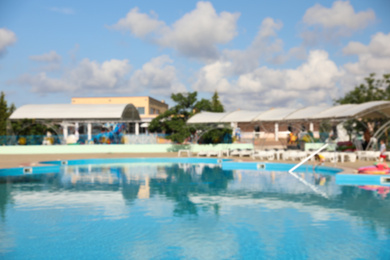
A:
(256, 54)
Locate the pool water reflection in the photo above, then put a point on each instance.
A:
(188, 211)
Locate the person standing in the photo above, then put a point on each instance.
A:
(382, 156)
(238, 133)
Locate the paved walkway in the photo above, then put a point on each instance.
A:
(11, 161)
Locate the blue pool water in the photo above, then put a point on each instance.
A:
(165, 210)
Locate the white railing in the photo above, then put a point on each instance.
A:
(311, 186)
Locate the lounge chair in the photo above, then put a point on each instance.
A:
(262, 154)
(332, 157)
(235, 152)
(188, 152)
(212, 153)
(224, 152)
(368, 155)
(202, 153)
(247, 152)
(294, 155)
(347, 156)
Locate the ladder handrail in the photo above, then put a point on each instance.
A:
(291, 171)
(309, 157)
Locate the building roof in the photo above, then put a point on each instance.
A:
(109, 112)
(207, 117)
(239, 116)
(373, 109)
(305, 113)
(276, 114)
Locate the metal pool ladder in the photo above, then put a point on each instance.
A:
(311, 186)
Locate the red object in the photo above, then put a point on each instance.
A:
(380, 168)
(381, 190)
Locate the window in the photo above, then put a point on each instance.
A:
(132, 128)
(141, 110)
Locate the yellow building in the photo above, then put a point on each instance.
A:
(148, 108)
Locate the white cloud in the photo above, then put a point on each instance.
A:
(341, 14)
(378, 47)
(338, 21)
(374, 57)
(91, 74)
(86, 77)
(213, 77)
(311, 83)
(196, 34)
(7, 38)
(317, 73)
(51, 56)
(263, 46)
(158, 77)
(138, 24)
(41, 83)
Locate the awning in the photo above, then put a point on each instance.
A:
(85, 112)
(276, 114)
(374, 109)
(305, 113)
(239, 116)
(206, 117)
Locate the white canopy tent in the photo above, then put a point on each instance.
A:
(66, 114)
(339, 113)
(374, 109)
(239, 116)
(305, 113)
(207, 118)
(83, 112)
(276, 114)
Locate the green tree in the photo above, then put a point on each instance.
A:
(203, 105)
(206, 105)
(173, 121)
(216, 105)
(373, 89)
(5, 112)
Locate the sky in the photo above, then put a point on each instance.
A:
(257, 55)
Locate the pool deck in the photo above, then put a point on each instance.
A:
(12, 161)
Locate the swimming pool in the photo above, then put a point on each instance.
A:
(188, 209)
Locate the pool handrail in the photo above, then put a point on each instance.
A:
(291, 171)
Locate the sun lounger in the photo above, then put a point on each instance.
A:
(212, 153)
(330, 156)
(225, 152)
(368, 155)
(294, 155)
(202, 153)
(263, 155)
(347, 157)
(235, 152)
(188, 152)
(247, 152)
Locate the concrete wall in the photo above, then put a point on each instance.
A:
(115, 148)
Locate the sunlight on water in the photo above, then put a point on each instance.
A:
(185, 211)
